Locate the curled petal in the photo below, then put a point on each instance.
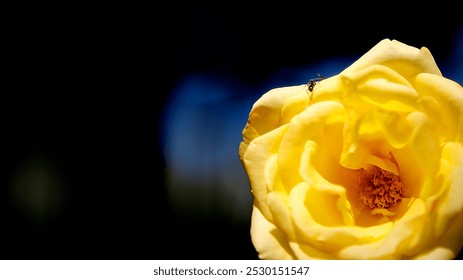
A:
(329, 89)
(266, 114)
(366, 140)
(397, 241)
(328, 239)
(326, 201)
(404, 59)
(281, 216)
(448, 95)
(381, 87)
(256, 158)
(439, 253)
(309, 124)
(269, 241)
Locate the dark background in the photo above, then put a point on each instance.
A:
(84, 169)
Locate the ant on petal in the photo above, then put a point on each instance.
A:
(311, 84)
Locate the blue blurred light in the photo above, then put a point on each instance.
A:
(453, 68)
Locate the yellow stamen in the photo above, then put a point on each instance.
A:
(379, 188)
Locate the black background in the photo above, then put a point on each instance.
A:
(86, 87)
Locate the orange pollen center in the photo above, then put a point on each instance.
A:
(379, 188)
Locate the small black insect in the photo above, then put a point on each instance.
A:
(311, 84)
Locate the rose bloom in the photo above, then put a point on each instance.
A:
(367, 164)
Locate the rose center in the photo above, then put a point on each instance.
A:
(379, 188)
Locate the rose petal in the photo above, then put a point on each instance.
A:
(255, 160)
(309, 124)
(327, 238)
(277, 198)
(329, 89)
(269, 241)
(365, 142)
(379, 87)
(326, 201)
(451, 173)
(402, 58)
(294, 105)
(439, 253)
(449, 95)
(398, 239)
(265, 114)
(425, 154)
(306, 252)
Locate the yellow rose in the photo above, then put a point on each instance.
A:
(366, 165)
